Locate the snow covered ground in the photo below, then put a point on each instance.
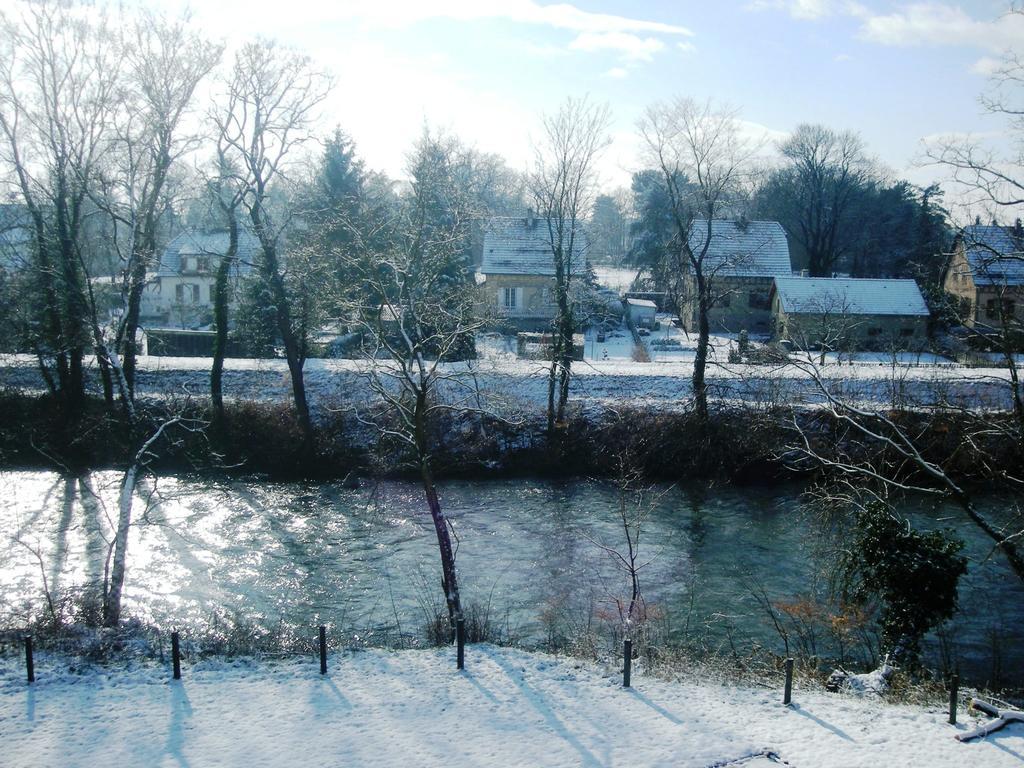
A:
(596, 382)
(411, 708)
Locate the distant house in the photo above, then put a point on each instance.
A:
(986, 271)
(742, 260)
(517, 273)
(849, 313)
(641, 312)
(180, 293)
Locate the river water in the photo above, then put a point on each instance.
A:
(272, 557)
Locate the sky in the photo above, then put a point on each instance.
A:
(895, 72)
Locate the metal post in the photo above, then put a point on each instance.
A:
(627, 662)
(29, 662)
(954, 695)
(323, 650)
(176, 655)
(460, 639)
(787, 696)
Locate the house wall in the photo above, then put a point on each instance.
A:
(742, 303)
(160, 300)
(848, 332)
(980, 299)
(535, 300)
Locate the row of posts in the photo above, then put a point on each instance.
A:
(460, 639)
(460, 663)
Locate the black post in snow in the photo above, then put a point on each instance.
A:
(29, 662)
(787, 696)
(627, 662)
(954, 696)
(176, 655)
(323, 650)
(460, 639)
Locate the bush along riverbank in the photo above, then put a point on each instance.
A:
(735, 444)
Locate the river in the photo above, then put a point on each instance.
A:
(282, 558)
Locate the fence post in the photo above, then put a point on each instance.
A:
(29, 661)
(787, 696)
(323, 649)
(176, 655)
(627, 662)
(460, 639)
(954, 695)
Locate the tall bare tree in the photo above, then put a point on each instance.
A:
(268, 114)
(705, 163)
(562, 185)
(417, 308)
(59, 77)
(164, 61)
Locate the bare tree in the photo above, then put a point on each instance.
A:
(59, 76)
(816, 192)
(272, 97)
(164, 61)
(417, 308)
(875, 450)
(704, 162)
(562, 186)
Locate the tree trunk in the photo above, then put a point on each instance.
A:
(449, 576)
(700, 360)
(112, 600)
(220, 322)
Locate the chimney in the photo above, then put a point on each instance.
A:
(530, 218)
(1018, 230)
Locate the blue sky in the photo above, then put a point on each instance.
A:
(486, 69)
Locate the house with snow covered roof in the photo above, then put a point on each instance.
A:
(986, 272)
(849, 313)
(517, 272)
(180, 292)
(742, 260)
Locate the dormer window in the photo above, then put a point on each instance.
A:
(195, 265)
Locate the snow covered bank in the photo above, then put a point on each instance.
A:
(410, 708)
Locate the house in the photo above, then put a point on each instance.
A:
(849, 313)
(641, 312)
(517, 272)
(180, 293)
(742, 260)
(986, 272)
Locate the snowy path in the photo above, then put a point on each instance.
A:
(408, 709)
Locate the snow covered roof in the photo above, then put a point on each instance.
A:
(748, 249)
(208, 244)
(849, 295)
(641, 303)
(521, 246)
(995, 254)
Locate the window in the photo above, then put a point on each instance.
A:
(723, 300)
(186, 293)
(511, 297)
(906, 331)
(992, 308)
(874, 331)
(757, 300)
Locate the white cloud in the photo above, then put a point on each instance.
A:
(617, 73)
(940, 24)
(809, 9)
(630, 47)
(686, 46)
(843, 57)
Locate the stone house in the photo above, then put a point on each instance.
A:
(742, 260)
(986, 272)
(180, 292)
(846, 313)
(517, 272)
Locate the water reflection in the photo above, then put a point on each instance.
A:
(294, 555)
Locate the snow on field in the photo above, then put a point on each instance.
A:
(596, 382)
(411, 708)
(619, 279)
